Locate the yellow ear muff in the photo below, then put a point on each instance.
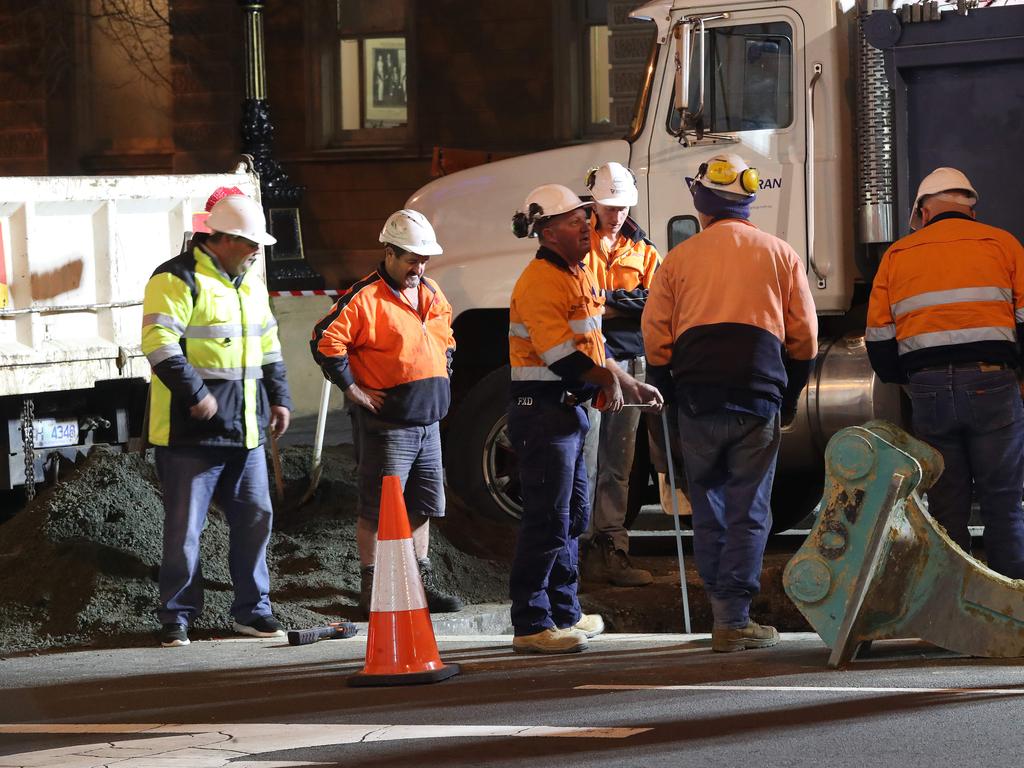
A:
(750, 180)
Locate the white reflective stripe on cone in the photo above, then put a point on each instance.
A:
(396, 578)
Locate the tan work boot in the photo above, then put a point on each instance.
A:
(606, 563)
(551, 640)
(754, 635)
(590, 624)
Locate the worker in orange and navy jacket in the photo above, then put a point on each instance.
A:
(388, 344)
(946, 317)
(731, 318)
(559, 361)
(623, 262)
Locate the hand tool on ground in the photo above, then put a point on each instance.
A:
(275, 457)
(317, 467)
(337, 630)
(675, 519)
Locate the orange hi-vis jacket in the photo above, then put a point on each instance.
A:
(951, 292)
(374, 338)
(732, 313)
(624, 274)
(554, 328)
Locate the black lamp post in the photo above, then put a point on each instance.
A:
(286, 262)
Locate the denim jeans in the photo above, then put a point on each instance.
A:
(608, 451)
(730, 465)
(548, 440)
(236, 478)
(975, 419)
(413, 454)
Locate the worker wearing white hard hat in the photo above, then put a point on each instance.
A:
(218, 383)
(558, 362)
(623, 262)
(946, 318)
(388, 345)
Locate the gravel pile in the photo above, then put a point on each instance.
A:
(78, 566)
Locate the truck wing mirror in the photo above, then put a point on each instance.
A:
(689, 35)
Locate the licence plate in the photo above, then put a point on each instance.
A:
(51, 433)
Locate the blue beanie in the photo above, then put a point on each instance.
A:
(717, 207)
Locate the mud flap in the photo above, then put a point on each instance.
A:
(876, 566)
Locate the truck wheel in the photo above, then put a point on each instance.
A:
(480, 463)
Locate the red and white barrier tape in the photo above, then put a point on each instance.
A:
(307, 293)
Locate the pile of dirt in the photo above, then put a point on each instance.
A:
(79, 565)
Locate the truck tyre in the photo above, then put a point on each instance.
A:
(480, 464)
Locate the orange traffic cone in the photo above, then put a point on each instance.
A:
(400, 647)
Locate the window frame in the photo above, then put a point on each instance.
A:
(324, 36)
(709, 127)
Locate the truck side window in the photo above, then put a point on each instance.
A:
(680, 228)
(748, 78)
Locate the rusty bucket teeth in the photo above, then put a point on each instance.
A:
(876, 566)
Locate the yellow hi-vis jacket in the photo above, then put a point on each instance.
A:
(206, 333)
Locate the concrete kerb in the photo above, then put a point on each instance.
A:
(471, 621)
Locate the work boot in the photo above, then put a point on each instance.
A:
(438, 600)
(551, 640)
(365, 588)
(606, 563)
(754, 635)
(590, 624)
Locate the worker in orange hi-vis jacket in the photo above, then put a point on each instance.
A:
(388, 344)
(559, 361)
(946, 317)
(623, 262)
(730, 332)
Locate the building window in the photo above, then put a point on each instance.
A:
(365, 82)
(748, 78)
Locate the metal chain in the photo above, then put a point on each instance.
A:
(28, 434)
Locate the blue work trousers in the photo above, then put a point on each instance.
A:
(730, 458)
(975, 419)
(548, 440)
(236, 478)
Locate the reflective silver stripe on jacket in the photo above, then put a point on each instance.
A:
(271, 322)
(947, 338)
(585, 325)
(533, 373)
(165, 352)
(272, 357)
(168, 322)
(224, 331)
(1019, 315)
(231, 374)
(518, 330)
(884, 333)
(953, 296)
(556, 353)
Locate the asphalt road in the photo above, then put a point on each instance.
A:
(663, 700)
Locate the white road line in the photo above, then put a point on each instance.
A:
(798, 689)
(222, 745)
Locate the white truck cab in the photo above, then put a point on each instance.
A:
(782, 84)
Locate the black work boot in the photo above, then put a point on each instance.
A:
(438, 600)
(365, 588)
(606, 563)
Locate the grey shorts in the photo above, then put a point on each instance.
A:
(411, 453)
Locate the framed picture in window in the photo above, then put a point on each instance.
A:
(384, 95)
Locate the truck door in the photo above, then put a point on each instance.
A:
(753, 106)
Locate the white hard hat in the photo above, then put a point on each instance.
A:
(545, 201)
(409, 230)
(938, 181)
(240, 216)
(728, 175)
(613, 184)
